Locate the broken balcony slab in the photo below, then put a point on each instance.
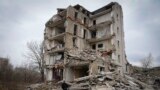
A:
(56, 50)
(106, 37)
(102, 24)
(55, 21)
(77, 63)
(59, 37)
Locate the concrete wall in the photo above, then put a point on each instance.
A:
(71, 21)
(118, 30)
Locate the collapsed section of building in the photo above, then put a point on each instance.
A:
(82, 45)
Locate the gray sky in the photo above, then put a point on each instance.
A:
(24, 20)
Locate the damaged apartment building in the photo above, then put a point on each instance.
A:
(80, 43)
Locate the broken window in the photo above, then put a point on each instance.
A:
(83, 11)
(84, 33)
(126, 68)
(62, 55)
(74, 42)
(94, 46)
(75, 15)
(75, 30)
(117, 30)
(100, 69)
(84, 20)
(81, 71)
(119, 58)
(57, 74)
(77, 7)
(93, 34)
(118, 43)
(100, 45)
(94, 22)
(88, 14)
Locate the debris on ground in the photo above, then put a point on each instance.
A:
(110, 80)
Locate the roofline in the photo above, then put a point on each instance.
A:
(108, 6)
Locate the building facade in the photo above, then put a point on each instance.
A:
(75, 29)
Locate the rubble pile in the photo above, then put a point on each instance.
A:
(150, 76)
(105, 80)
(108, 81)
(111, 80)
(85, 55)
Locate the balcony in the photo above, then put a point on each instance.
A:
(102, 24)
(58, 37)
(57, 49)
(106, 37)
(58, 64)
(56, 60)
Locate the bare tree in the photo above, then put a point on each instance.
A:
(147, 62)
(35, 53)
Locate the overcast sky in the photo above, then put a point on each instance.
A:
(22, 21)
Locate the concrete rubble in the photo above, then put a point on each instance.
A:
(149, 76)
(110, 80)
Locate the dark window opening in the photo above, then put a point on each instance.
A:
(117, 30)
(74, 42)
(94, 22)
(81, 71)
(75, 30)
(59, 31)
(119, 58)
(84, 34)
(84, 20)
(60, 10)
(100, 45)
(101, 69)
(118, 43)
(94, 46)
(75, 15)
(88, 14)
(126, 68)
(83, 11)
(57, 74)
(93, 34)
(61, 53)
(77, 7)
